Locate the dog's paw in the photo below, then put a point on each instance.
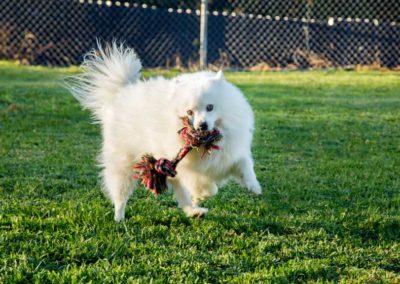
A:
(119, 215)
(195, 212)
(255, 188)
(119, 218)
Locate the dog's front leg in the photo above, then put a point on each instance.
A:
(246, 175)
(184, 198)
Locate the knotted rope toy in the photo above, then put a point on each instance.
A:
(153, 173)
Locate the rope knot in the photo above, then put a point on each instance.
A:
(165, 167)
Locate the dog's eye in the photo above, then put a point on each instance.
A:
(209, 107)
(190, 112)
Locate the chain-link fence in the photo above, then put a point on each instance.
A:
(255, 34)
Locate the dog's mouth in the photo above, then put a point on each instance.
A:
(196, 138)
(204, 133)
(188, 124)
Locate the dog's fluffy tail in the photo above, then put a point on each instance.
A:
(106, 71)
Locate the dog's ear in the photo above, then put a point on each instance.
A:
(176, 86)
(219, 76)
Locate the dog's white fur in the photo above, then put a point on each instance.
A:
(139, 117)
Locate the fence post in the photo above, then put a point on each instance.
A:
(203, 34)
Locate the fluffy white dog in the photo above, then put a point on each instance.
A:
(139, 117)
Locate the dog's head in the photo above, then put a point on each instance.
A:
(201, 99)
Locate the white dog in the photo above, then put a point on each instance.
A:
(139, 117)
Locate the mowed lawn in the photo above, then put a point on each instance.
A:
(326, 150)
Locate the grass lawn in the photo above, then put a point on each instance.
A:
(326, 149)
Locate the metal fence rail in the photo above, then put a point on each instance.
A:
(254, 34)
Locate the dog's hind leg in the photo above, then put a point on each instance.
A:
(204, 192)
(118, 184)
(184, 199)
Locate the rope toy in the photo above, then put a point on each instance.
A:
(153, 173)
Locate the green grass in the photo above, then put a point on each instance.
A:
(326, 149)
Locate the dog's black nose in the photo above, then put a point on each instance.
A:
(203, 126)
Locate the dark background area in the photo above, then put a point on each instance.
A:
(298, 34)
